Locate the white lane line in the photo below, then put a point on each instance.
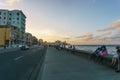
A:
(18, 58)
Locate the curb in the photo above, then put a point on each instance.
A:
(37, 70)
(8, 50)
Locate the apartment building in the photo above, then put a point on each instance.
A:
(16, 20)
(4, 35)
(29, 39)
(40, 42)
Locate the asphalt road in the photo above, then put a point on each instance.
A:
(20, 64)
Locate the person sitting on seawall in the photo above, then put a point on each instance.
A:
(102, 53)
(95, 53)
(73, 48)
(116, 56)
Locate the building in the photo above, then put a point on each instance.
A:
(15, 19)
(29, 39)
(34, 40)
(58, 42)
(40, 42)
(4, 35)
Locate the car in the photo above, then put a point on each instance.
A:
(24, 47)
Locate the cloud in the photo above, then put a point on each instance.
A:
(106, 37)
(107, 34)
(66, 38)
(90, 38)
(112, 26)
(85, 35)
(116, 36)
(118, 30)
(2, 4)
(12, 1)
(8, 2)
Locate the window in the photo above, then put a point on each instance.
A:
(4, 13)
(0, 17)
(17, 18)
(18, 14)
(4, 17)
(9, 18)
(0, 13)
(10, 14)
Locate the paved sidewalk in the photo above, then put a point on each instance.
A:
(61, 65)
(8, 49)
(2, 50)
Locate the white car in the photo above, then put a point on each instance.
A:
(24, 47)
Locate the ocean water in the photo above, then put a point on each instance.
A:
(91, 48)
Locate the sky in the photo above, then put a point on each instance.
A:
(73, 21)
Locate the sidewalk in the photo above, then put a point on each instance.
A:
(2, 50)
(61, 65)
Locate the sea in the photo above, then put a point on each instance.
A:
(91, 48)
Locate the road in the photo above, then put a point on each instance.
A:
(20, 64)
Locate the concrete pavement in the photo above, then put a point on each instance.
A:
(61, 65)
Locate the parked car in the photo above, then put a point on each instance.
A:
(24, 47)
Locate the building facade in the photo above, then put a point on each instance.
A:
(16, 20)
(4, 35)
(34, 40)
(40, 42)
(29, 39)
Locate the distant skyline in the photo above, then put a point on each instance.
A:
(74, 21)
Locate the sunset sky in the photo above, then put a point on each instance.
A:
(74, 21)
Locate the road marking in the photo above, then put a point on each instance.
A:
(18, 58)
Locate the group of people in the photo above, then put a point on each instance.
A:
(101, 51)
(59, 47)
